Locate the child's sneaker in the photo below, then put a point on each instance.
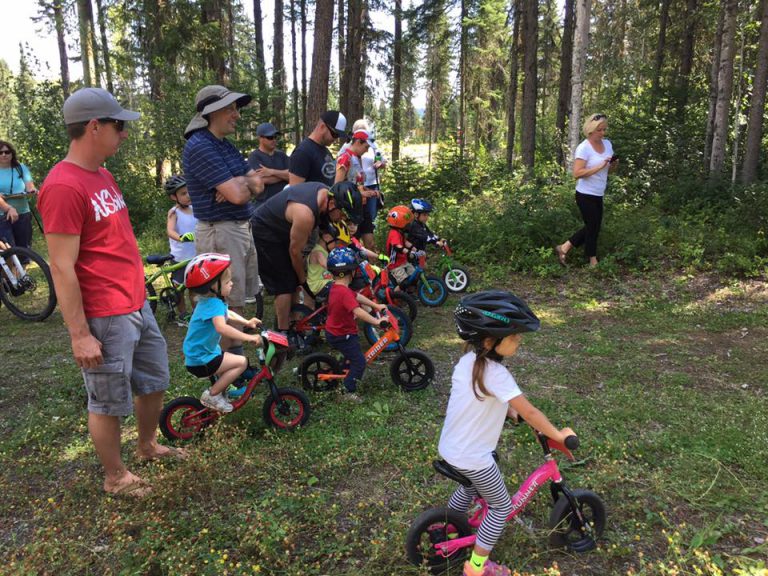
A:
(217, 402)
(183, 320)
(489, 569)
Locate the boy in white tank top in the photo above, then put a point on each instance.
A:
(180, 227)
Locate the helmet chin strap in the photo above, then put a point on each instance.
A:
(217, 290)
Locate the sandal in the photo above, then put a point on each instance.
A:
(560, 254)
(138, 489)
(177, 454)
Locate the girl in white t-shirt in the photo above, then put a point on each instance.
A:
(592, 161)
(483, 395)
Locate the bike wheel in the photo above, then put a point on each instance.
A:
(433, 527)
(373, 333)
(290, 409)
(412, 371)
(433, 293)
(456, 279)
(564, 525)
(33, 297)
(314, 365)
(405, 302)
(185, 417)
(298, 313)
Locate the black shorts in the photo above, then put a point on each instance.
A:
(206, 370)
(275, 268)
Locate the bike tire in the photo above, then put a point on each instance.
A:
(177, 423)
(288, 411)
(34, 298)
(151, 294)
(315, 364)
(563, 524)
(432, 527)
(456, 279)
(438, 294)
(373, 333)
(412, 371)
(405, 302)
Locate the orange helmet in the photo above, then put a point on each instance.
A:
(399, 216)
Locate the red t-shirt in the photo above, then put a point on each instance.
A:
(88, 204)
(396, 239)
(342, 300)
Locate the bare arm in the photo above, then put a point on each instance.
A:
(227, 331)
(580, 169)
(294, 179)
(238, 190)
(272, 175)
(538, 420)
(10, 212)
(370, 303)
(302, 222)
(63, 250)
(170, 226)
(361, 314)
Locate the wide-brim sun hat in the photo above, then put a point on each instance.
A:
(210, 99)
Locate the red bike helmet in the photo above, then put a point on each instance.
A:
(399, 216)
(203, 270)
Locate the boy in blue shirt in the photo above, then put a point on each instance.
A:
(209, 274)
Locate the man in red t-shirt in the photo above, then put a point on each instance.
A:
(99, 280)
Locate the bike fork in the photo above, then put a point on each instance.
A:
(583, 525)
(13, 278)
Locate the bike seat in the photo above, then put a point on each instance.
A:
(158, 259)
(276, 338)
(442, 467)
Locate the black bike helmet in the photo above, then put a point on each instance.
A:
(348, 200)
(174, 183)
(493, 314)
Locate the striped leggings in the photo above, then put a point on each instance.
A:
(489, 485)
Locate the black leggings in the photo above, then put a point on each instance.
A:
(591, 208)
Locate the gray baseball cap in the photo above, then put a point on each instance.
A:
(267, 129)
(94, 103)
(210, 99)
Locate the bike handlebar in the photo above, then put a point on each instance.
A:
(572, 442)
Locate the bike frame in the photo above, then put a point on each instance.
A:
(164, 272)
(206, 415)
(13, 278)
(547, 472)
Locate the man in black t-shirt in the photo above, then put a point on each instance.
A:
(311, 161)
(269, 162)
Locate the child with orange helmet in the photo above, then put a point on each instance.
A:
(398, 247)
(210, 276)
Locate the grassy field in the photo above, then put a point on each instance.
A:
(664, 378)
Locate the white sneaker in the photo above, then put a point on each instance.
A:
(217, 402)
(250, 300)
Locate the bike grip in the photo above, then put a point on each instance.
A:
(384, 325)
(572, 442)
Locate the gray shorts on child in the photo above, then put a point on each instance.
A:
(135, 362)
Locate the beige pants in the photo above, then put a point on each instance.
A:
(232, 237)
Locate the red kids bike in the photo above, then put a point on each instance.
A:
(285, 408)
(410, 369)
(441, 538)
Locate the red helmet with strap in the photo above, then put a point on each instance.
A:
(204, 269)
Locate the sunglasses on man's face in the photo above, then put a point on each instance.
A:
(332, 131)
(270, 137)
(119, 124)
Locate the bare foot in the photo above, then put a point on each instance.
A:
(160, 452)
(128, 485)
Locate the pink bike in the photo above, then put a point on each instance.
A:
(441, 538)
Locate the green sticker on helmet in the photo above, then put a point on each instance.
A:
(495, 316)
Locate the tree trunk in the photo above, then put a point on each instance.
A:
(261, 68)
(321, 61)
(294, 67)
(514, 55)
(686, 57)
(87, 44)
(659, 60)
(278, 68)
(341, 45)
(724, 90)
(713, 79)
(58, 19)
(580, 44)
(530, 82)
(462, 78)
(757, 105)
(303, 8)
(105, 52)
(737, 115)
(211, 14)
(564, 93)
(354, 60)
(396, 82)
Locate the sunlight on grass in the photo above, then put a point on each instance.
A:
(76, 449)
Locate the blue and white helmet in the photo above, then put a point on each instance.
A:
(341, 260)
(421, 205)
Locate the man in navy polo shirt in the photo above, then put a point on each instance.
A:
(311, 161)
(269, 162)
(221, 185)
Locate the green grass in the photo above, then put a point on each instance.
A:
(664, 378)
